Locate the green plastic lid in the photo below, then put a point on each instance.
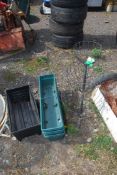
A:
(90, 61)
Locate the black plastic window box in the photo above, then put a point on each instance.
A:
(23, 112)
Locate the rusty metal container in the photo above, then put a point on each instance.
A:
(12, 40)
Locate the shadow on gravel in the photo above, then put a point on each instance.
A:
(70, 101)
(43, 36)
(35, 2)
(33, 19)
(96, 9)
(107, 41)
(11, 79)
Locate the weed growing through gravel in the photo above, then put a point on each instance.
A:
(31, 66)
(99, 144)
(96, 53)
(44, 173)
(102, 142)
(98, 69)
(9, 76)
(42, 60)
(71, 129)
(87, 150)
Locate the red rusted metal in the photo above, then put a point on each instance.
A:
(109, 89)
(9, 20)
(3, 5)
(12, 40)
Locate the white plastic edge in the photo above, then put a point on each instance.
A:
(106, 112)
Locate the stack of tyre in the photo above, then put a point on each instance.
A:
(67, 21)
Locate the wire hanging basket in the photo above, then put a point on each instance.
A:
(77, 73)
(85, 49)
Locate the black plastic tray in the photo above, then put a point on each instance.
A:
(23, 112)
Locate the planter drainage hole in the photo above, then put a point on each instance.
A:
(45, 105)
(55, 105)
(59, 119)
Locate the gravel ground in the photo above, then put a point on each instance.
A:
(36, 155)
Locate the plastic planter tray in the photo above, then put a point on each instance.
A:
(23, 112)
(51, 130)
(54, 133)
(50, 110)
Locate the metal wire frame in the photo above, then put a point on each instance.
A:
(83, 51)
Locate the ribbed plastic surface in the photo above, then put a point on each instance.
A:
(23, 112)
(52, 125)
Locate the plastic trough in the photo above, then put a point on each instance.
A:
(50, 110)
(54, 133)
